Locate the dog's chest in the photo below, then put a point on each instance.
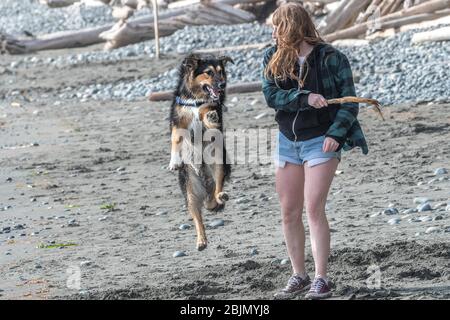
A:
(195, 123)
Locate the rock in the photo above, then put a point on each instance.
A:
(9, 179)
(242, 200)
(103, 218)
(178, 254)
(254, 252)
(425, 219)
(261, 115)
(285, 261)
(184, 226)
(432, 230)
(439, 205)
(424, 207)
(85, 263)
(440, 171)
(73, 223)
(120, 169)
(420, 200)
(217, 223)
(394, 221)
(437, 218)
(390, 211)
(409, 211)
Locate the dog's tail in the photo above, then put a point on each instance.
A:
(372, 102)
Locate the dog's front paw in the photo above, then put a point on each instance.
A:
(222, 197)
(212, 116)
(175, 163)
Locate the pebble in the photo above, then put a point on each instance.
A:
(424, 207)
(178, 254)
(437, 218)
(440, 171)
(254, 252)
(261, 115)
(420, 200)
(439, 205)
(184, 226)
(432, 230)
(390, 211)
(73, 223)
(425, 219)
(103, 218)
(285, 261)
(242, 200)
(217, 223)
(85, 263)
(394, 221)
(409, 211)
(377, 214)
(9, 180)
(161, 213)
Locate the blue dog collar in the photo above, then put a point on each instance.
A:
(189, 102)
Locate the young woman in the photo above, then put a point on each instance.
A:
(300, 72)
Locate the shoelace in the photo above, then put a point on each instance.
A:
(293, 281)
(317, 285)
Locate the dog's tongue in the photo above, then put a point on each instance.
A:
(214, 92)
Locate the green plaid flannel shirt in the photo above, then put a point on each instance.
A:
(337, 80)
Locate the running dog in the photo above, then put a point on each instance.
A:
(196, 112)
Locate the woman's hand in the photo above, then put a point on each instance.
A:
(330, 145)
(317, 101)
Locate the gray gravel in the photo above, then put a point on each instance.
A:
(391, 70)
(31, 16)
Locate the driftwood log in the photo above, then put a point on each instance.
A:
(441, 34)
(257, 86)
(137, 30)
(360, 29)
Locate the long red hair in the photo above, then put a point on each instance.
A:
(293, 25)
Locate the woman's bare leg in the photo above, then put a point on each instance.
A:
(317, 185)
(289, 186)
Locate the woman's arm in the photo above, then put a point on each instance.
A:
(348, 112)
(279, 99)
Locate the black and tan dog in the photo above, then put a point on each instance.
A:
(195, 113)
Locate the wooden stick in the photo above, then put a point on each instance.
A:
(372, 102)
(156, 27)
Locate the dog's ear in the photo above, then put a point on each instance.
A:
(225, 59)
(191, 61)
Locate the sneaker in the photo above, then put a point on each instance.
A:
(320, 289)
(296, 284)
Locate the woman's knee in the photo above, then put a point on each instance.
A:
(291, 212)
(315, 211)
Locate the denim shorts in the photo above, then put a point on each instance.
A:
(299, 152)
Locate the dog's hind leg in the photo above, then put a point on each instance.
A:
(219, 177)
(194, 197)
